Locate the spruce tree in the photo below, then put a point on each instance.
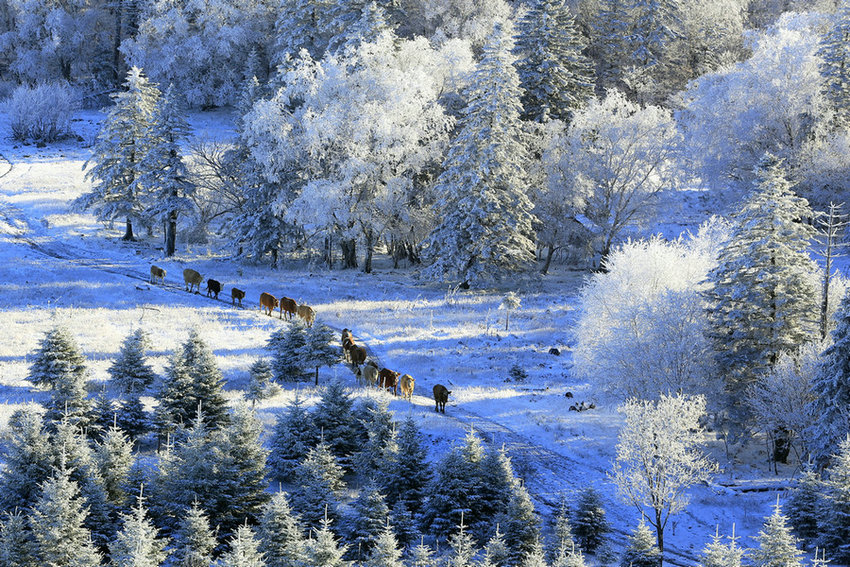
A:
(834, 512)
(641, 550)
(323, 549)
(762, 299)
(498, 487)
(805, 506)
(411, 469)
(194, 541)
(385, 551)
(103, 416)
(137, 543)
(573, 558)
(561, 541)
(588, 521)
(59, 537)
(335, 420)
(831, 386)
(130, 372)
(404, 525)
(114, 456)
(422, 555)
(535, 557)
(117, 154)
(57, 360)
(294, 434)
(777, 546)
(69, 401)
(718, 554)
(163, 172)
(281, 540)
(834, 56)
(521, 524)
(496, 552)
(244, 550)
(556, 78)
(285, 346)
(486, 222)
(319, 479)
(320, 348)
(28, 461)
(133, 419)
(380, 443)
(370, 517)
(16, 541)
(462, 547)
(260, 382)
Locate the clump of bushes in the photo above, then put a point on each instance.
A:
(40, 114)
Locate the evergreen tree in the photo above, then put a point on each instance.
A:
(172, 410)
(535, 557)
(194, 541)
(410, 466)
(244, 550)
(69, 402)
(486, 221)
(103, 416)
(133, 420)
(496, 552)
(370, 518)
(323, 550)
(385, 551)
(498, 487)
(319, 348)
(57, 360)
(117, 192)
(281, 539)
(137, 544)
(718, 554)
(294, 434)
(380, 444)
(834, 56)
(834, 512)
(319, 478)
(16, 541)
(610, 28)
(521, 524)
(556, 77)
(654, 25)
(286, 346)
(336, 422)
(561, 541)
(588, 521)
(831, 386)
(762, 299)
(574, 558)
(804, 505)
(641, 550)
(404, 525)
(59, 537)
(777, 547)
(422, 556)
(114, 456)
(462, 547)
(130, 372)
(163, 173)
(27, 461)
(260, 382)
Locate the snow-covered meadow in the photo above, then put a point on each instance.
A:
(62, 267)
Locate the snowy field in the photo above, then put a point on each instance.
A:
(58, 267)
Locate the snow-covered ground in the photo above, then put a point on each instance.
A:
(57, 266)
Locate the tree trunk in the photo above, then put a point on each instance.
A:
(171, 234)
(329, 251)
(369, 234)
(781, 445)
(659, 535)
(317, 376)
(348, 246)
(550, 251)
(274, 257)
(116, 44)
(128, 233)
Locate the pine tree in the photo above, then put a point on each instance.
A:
(117, 154)
(385, 551)
(610, 28)
(133, 420)
(130, 372)
(404, 525)
(319, 348)
(27, 461)
(293, 436)
(380, 443)
(804, 505)
(16, 541)
(336, 421)
(561, 541)
(535, 557)
(462, 547)
(486, 221)
(641, 550)
(654, 25)
(498, 487)
(137, 544)
(260, 382)
(588, 521)
(163, 172)
(574, 558)
(831, 385)
(57, 360)
(556, 77)
(319, 478)
(422, 555)
(173, 396)
(834, 56)
(324, 550)
(103, 416)
(69, 401)
(834, 512)
(244, 550)
(496, 552)
(285, 346)
(59, 536)
(777, 547)
(521, 524)
(194, 541)
(411, 470)
(114, 456)
(762, 299)
(370, 517)
(718, 554)
(281, 540)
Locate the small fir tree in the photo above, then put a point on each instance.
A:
(137, 543)
(114, 456)
(834, 512)
(411, 469)
(260, 382)
(133, 419)
(641, 550)
(719, 554)
(281, 540)
(561, 541)
(285, 346)
(380, 442)
(57, 360)
(319, 479)
(335, 419)
(805, 506)
(422, 555)
(496, 552)
(590, 525)
(130, 372)
(16, 541)
(777, 546)
(370, 517)
(385, 552)
(498, 487)
(404, 525)
(28, 461)
(294, 434)
(244, 550)
(462, 547)
(521, 525)
(319, 348)
(194, 541)
(103, 416)
(323, 550)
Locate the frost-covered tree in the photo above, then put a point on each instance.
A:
(834, 53)
(555, 76)
(261, 383)
(58, 359)
(777, 546)
(130, 372)
(659, 456)
(320, 348)
(59, 537)
(831, 387)
(132, 418)
(422, 555)
(618, 158)
(719, 554)
(281, 539)
(834, 509)
(319, 479)
(69, 401)
(114, 165)
(16, 541)
(496, 551)
(294, 434)
(651, 46)
(285, 346)
(115, 459)
(244, 550)
(380, 445)
(137, 543)
(486, 229)
(323, 549)
(560, 541)
(462, 547)
(27, 461)
(370, 516)
(335, 419)
(410, 466)
(590, 526)
(194, 540)
(762, 296)
(385, 552)
(164, 175)
(805, 506)
(641, 549)
(520, 524)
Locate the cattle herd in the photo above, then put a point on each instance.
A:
(356, 355)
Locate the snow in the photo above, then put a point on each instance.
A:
(59, 267)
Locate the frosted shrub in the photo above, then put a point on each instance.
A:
(40, 114)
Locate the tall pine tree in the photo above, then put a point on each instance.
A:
(834, 55)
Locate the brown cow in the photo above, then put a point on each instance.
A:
(347, 343)
(306, 313)
(406, 383)
(288, 304)
(157, 273)
(441, 396)
(357, 354)
(192, 279)
(237, 295)
(388, 379)
(213, 288)
(268, 302)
